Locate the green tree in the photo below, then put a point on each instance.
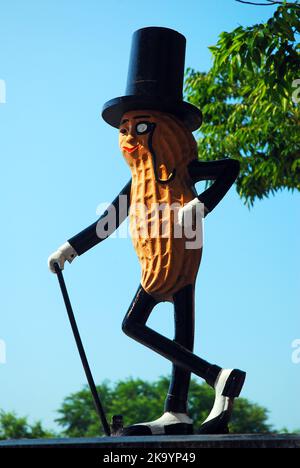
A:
(250, 103)
(14, 427)
(140, 401)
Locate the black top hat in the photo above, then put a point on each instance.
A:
(155, 78)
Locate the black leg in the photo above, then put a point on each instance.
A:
(139, 310)
(134, 326)
(184, 318)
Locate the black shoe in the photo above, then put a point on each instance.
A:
(228, 386)
(168, 424)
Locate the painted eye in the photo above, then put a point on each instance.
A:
(143, 127)
(123, 131)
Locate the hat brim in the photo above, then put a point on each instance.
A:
(114, 109)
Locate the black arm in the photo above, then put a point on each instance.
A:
(224, 172)
(108, 222)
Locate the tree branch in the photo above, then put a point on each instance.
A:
(270, 2)
(257, 4)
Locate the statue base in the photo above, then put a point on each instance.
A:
(163, 442)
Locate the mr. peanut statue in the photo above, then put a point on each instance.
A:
(155, 136)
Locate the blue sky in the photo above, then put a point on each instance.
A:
(61, 60)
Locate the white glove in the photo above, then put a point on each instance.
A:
(189, 213)
(63, 253)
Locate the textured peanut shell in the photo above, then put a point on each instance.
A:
(167, 265)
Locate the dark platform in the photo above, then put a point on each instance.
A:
(163, 442)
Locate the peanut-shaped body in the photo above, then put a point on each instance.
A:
(158, 148)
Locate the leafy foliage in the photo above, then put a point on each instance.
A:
(141, 401)
(14, 427)
(249, 99)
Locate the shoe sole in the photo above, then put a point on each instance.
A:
(170, 429)
(179, 429)
(218, 425)
(234, 384)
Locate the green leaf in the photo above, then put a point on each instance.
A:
(256, 56)
(249, 64)
(248, 104)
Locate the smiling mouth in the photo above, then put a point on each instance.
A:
(132, 149)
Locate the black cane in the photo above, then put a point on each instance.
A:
(87, 370)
